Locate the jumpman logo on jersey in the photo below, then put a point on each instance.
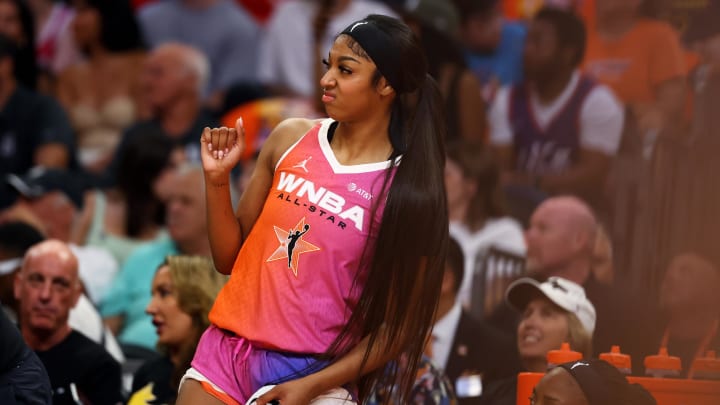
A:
(303, 164)
(292, 245)
(293, 237)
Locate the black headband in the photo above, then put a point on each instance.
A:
(603, 384)
(375, 42)
(591, 380)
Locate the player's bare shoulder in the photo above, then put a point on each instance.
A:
(285, 135)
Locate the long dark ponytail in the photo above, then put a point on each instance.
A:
(399, 296)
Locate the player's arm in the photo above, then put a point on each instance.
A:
(221, 151)
(253, 199)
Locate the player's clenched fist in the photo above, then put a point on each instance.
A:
(220, 150)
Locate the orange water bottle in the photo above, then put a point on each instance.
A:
(707, 368)
(621, 361)
(563, 355)
(663, 365)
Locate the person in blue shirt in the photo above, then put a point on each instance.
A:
(493, 45)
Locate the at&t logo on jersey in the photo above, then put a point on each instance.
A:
(353, 188)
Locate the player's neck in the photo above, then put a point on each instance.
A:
(362, 141)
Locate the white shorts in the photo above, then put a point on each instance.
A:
(336, 396)
(192, 374)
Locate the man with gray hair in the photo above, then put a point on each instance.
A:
(47, 287)
(560, 239)
(46, 205)
(172, 81)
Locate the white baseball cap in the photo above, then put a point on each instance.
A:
(10, 265)
(564, 293)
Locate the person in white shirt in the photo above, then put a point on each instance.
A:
(557, 131)
(478, 220)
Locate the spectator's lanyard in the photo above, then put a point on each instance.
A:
(701, 348)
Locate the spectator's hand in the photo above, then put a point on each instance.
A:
(220, 150)
(294, 392)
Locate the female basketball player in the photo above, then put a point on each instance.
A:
(336, 249)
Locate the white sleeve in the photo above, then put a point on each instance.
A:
(511, 236)
(500, 129)
(85, 319)
(601, 121)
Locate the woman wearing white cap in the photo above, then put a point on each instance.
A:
(553, 312)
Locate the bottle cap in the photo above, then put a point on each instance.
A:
(662, 362)
(708, 366)
(564, 355)
(621, 361)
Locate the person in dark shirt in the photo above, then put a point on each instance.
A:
(172, 82)
(471, 352)
(23, 378)
(34, 130)
(47, 287)
(556, 132)
(19, 24)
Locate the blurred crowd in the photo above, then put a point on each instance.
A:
(104, 254)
